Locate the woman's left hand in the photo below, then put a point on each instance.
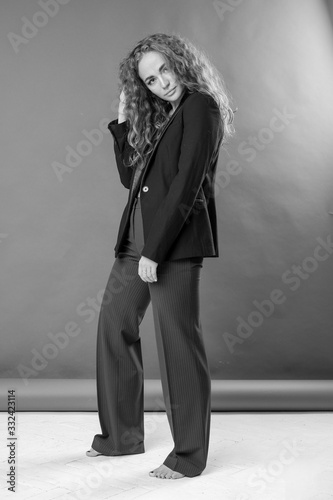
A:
(147, 270)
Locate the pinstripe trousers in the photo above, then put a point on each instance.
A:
(183, 364)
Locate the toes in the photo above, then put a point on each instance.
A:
(164, 472)
(92, 453)
(159, 472)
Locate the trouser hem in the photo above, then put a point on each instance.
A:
(182, 466)
(116, 453)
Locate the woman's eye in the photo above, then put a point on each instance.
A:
(166, 69)
(151, 81)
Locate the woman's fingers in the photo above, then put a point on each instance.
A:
(148, 275)
(147, 270)
(152, 273)
(122, 97)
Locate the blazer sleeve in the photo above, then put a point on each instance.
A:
(122, 151)
(202, 134)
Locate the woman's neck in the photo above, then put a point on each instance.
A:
(176, 104)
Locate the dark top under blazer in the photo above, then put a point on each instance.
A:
(177, 182)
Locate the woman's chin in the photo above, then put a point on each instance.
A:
(175, 97)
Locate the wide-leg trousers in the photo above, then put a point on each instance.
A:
(183, 364)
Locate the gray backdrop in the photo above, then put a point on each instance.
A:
(267, 301)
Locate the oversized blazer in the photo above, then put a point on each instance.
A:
(177, 182)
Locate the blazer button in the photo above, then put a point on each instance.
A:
(145, 189)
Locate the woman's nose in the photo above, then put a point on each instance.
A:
(164, 82)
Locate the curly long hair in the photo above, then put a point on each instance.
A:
(147, 113)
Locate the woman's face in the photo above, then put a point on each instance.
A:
(156, 74)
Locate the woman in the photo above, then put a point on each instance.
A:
(173, 114)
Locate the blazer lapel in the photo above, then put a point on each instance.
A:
(143, 170)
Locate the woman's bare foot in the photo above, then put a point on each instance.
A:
(163, 472)
(92, 453)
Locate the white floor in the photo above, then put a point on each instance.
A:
(253, 456)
